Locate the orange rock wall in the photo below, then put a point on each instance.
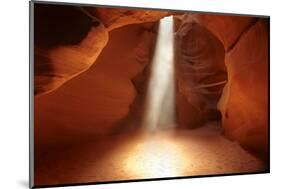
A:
(200, 72)
(93, 102)
(117, 17)
(244, 102)
(102, 93)
(63, 52)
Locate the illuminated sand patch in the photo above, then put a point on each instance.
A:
(166, 153)
(156, 157)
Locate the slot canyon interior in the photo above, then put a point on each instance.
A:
(128, 94)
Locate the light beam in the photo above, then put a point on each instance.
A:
(156, 157)
(160, 103)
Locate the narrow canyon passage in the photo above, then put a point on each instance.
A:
(138, 155)
(151, 95)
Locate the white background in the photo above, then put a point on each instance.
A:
(14, 105)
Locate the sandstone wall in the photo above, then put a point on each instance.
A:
(93, 102)
(244, 102)
(200, 72)
(63, 52)
(207, 47)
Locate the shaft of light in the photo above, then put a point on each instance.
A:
(160, 103)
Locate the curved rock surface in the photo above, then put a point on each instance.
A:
(93, 102)
(225, 27)
(63, 52)
(200, 72)
(116, 17)
(244, 103)
(205, 44)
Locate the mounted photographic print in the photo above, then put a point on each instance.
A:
(121, 94)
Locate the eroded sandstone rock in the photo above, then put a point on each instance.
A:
(106, 92)
(200, 73)
(96, 100)
(116, 17)
(61, 50)
(228, 29)
(244, 103)
(69, 39)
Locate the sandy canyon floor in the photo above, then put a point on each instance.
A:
(142, 155)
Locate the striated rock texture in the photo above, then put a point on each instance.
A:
(228, 29)
(69, 39)
(242, 44)
(244, 102)
(93, 102)
(200, 72)
(116, 17)
(61, 51)
(107, 58)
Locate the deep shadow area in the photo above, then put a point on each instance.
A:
(53, 25)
